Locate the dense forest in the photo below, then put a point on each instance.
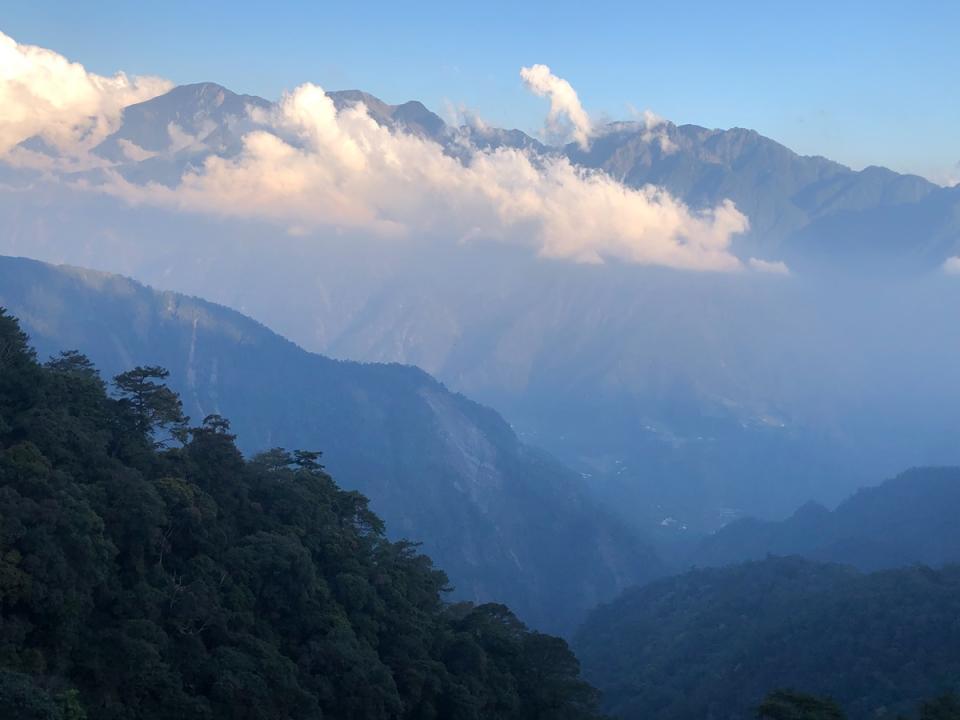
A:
(149, 571)
(712, 643)
(492, 511)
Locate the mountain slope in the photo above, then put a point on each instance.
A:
(410, 116)
(202, 110)
(791, 200)
(911, 518)
(782, 193)
(712, 643)
(687, 397)
(506, 521)
(903, 237)
(149, 583)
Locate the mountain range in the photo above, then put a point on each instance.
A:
(336, 404)
(508, 522)
(684, 399)
(909, 519)
(792, 201)
(795, 203)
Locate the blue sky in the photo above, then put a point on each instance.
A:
(860, 82)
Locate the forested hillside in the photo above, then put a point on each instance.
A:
(495, 513)
(148, 571)
(712, 643)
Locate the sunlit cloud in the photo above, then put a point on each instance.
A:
(315, 167)
(951, 265)
(44, 95)
(310, 168)
(566, 116)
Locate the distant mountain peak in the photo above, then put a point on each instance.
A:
(200, 90)
(206, 96)
(412, 115)
(192, 112)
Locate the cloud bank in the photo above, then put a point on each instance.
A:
(313, 167)
(44, 95)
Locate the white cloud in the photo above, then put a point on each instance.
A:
(180, 139)
(309, 167)
(656, 129)
(134, 152)
(43, 94)
(566, 113)
(314, 167)
(459, 114)
(951, 265)
(774, 267)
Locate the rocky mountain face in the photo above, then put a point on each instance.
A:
(507, 522)
(205, 112)
(792, 201)
(806, 210)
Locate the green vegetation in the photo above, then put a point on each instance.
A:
(790, 705)
(712, 643)
(493, 512)
(148, 571)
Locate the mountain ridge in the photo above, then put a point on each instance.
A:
(789, 198)
(148, 579)
(712, 642)
(438, 467)
(660, 382)
(905, 520)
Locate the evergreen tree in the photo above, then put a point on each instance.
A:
(156, 410)
(145, 580)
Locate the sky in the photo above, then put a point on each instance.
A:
(864, 83)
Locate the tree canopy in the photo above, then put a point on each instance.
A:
(792, 705)
(148, 571)
(714, 642)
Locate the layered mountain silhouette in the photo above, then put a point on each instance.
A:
(909, 519)
(685, 399)
(794, 202)
(508, 522)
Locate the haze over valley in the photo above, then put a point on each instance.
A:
(741, 309)
(572, 363)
